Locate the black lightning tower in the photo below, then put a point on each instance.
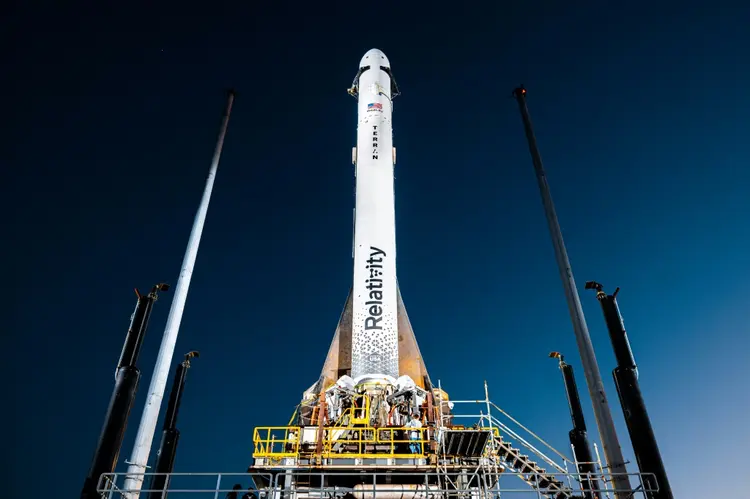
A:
(127, 376)
(642, 437)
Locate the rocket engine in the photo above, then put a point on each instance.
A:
(371, 400)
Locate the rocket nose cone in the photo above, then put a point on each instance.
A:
(374, 57)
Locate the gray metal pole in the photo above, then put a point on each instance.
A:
(145, 436)
(602, 414)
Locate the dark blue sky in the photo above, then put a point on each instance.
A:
(641, 114)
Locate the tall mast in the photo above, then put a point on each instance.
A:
(602, 414)
(147, 428)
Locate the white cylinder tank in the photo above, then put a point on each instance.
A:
(395, 491)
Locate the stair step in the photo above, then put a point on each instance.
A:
(536, 476)
(530, 467)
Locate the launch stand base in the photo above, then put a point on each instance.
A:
(496, 454)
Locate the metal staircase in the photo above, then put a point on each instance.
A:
(548, 480)
(531, 473)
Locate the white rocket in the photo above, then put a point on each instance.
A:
(374, 340)
(374, 350)
(374, 305)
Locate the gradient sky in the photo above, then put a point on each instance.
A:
(641, 115)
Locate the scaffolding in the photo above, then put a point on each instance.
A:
(492, 455)
(304, 484)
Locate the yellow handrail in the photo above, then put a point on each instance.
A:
(342, 441)
(361, 414)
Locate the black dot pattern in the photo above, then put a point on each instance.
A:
(375, 351)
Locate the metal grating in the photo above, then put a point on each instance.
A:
(465, 443)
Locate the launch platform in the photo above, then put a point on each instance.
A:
(352, 435)
(465, 449)
(450, 454)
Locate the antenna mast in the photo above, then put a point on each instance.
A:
(602, 414)
(147, 428)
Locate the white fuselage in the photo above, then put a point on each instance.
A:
(374, 321)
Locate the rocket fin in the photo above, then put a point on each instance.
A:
(339, 359)
(410, 361)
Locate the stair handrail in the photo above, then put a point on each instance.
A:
(530, 447)
(515, 435)
(562, 456)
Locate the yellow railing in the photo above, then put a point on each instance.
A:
(276, 441)
(340, 441)
(360, 414)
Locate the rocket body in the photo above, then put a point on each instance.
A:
(374, 319)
